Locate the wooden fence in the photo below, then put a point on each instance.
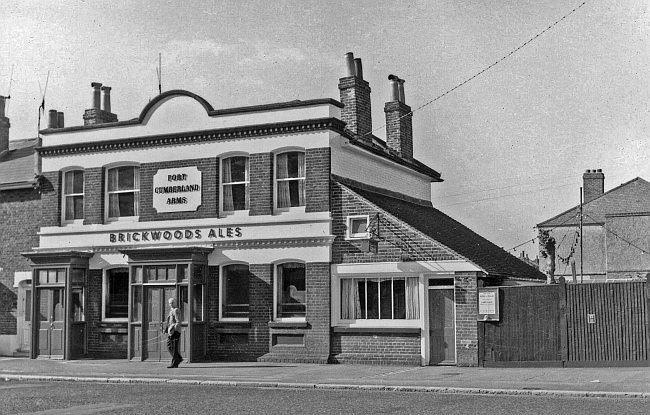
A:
(606, 324)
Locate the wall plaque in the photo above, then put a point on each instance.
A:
(177, 190)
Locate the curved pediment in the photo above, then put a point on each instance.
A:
(173, 107)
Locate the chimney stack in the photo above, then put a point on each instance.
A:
(593, 184)
(355, 97)
(4, 128)
(399, 120)
(100, 114)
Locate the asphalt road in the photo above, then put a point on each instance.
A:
(92, 398)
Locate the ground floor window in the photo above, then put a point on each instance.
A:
(234, 283)
(116, 293)
(291, 290)
(390, 298)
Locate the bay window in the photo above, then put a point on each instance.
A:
(389, 298)
(290, 179)
(234, 184)
(122, 192)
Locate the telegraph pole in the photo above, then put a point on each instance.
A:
(581, 261)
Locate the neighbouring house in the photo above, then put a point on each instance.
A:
(615, 240)
(288, 232)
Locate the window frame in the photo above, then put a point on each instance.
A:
(222, 293)
(136, 192)
(105, 293)
(276, 291)
(276, 180)
(348, 231)
(338, 321)
(222, 211)
(65, 196)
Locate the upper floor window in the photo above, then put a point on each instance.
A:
(290, 179)
(122, 191)
(234, 184)
(73, 195)
(291, 290)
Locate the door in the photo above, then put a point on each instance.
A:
(25, 318)
(157, 309)
(51, 323)
(442, 327)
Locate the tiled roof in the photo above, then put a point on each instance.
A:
(453, 235)
(630, 197)
(17, 166)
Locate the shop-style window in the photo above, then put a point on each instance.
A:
(234, 291)
(234, 184)
(72, 205)
(391, 298)
(116, 294)
(291, 290)
(122, 192)
(290, 179)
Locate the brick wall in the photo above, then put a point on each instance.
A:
(94, 196)
(465, 292)
(376, 348)
(51, 198)
(261, 184)
(20, 215)
(105, 340)
(209, 168)
(392, 249)
(317, 181)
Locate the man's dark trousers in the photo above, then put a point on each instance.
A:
(172, 345)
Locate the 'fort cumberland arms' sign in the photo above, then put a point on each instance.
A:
(177, 190)
(209, 234)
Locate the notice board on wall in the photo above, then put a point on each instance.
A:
(488, 304)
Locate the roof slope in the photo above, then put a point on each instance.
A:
(17, 166)
(629, 197)
(453, 235)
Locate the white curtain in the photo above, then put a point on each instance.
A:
(136, 192)
(228, 204)
(301, 181)
(412, 299)
(284, 199)
(113, 199)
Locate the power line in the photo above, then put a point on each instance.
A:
(523, 45)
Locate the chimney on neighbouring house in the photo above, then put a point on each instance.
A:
(355, 96)
(399, 120)
(97, 114)
(593, 184)
(4, 128)
(54, 119)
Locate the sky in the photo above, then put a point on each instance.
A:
(511, 143)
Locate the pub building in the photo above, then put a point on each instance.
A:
(288, 232)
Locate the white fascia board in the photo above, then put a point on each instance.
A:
(415, 267)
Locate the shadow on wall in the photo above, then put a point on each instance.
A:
(8, 310)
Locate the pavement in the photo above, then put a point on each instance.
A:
(609, 382)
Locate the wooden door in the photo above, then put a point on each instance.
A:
(51, 323)
(157, 309)
(442, 327)
(25, 316)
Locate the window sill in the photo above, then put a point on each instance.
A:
(402, 330)
(288, 324)
(226, 323)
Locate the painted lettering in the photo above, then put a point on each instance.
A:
(155, 235)
(238, 231)
(145, 236)
(178, 235)
(113, 238)
(136, 236)
(167, 235)
(212, 234)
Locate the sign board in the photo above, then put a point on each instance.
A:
(177, 190)
(488, 304)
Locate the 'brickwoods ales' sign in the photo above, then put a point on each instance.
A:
(177, 190)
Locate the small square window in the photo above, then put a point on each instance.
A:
(358, 227)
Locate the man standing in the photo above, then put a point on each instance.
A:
(174, 332)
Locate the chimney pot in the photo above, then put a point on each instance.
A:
(349, 64)
(106, 98)
(358, 69)
(60, 119)
(394, 88)
(96, 95)
(52, 119)
(402, 98)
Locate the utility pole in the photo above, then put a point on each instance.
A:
(581, 258)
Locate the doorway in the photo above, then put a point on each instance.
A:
(156, 306)
(51, 323)
(24, 316)
(442, 326)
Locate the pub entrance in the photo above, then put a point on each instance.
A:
(156, 275)
(442, 326)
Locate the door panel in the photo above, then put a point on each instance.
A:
(442, 330)
(51, 313)
(154, 323)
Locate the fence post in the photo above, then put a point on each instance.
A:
(481, 332)
(564, 341)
